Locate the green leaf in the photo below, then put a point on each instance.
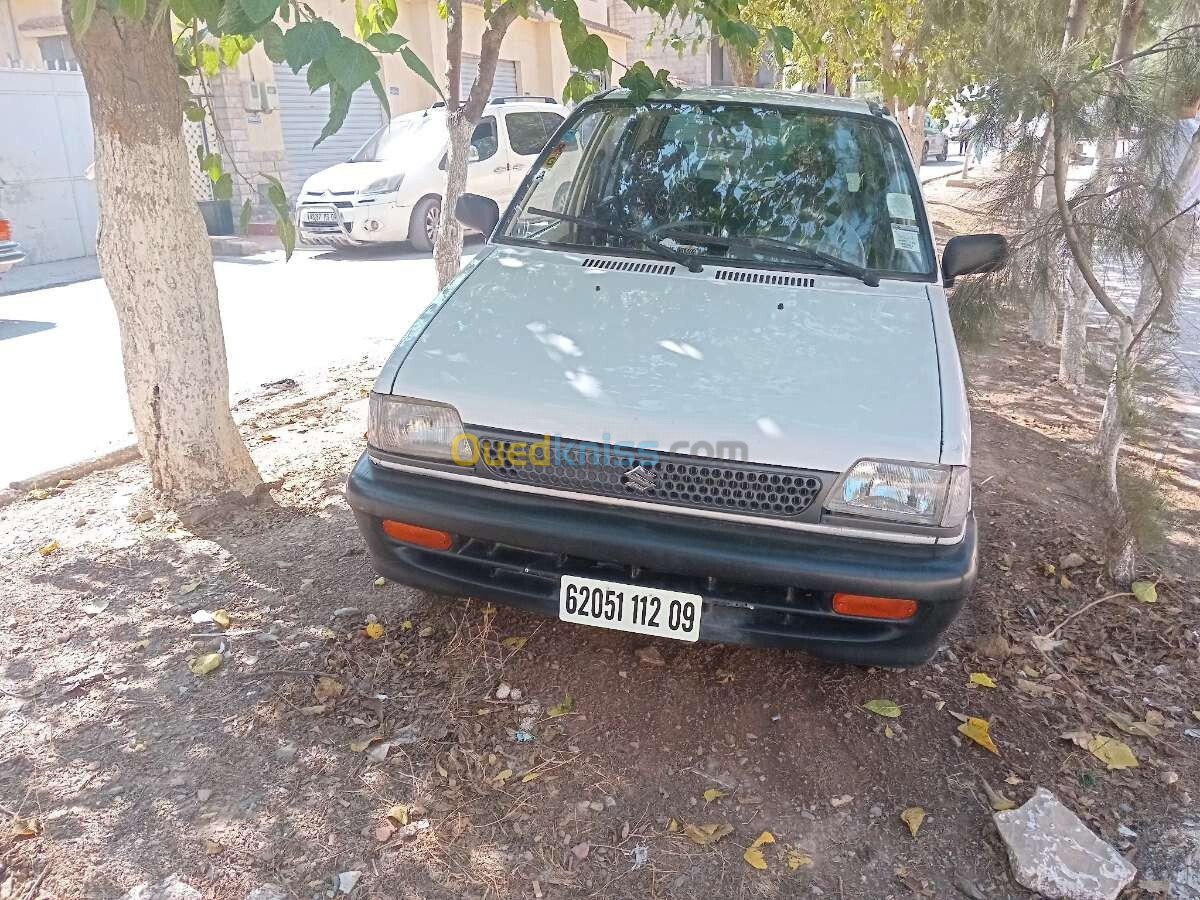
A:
(561, 709)
(339, 105)
(81, 15)
(287, 235)
(244, 218)
(739, 33)
(208, 58)
(1146, 591)
(577, 87)
(208, 10)
(271, 36)
(223, 187)
(350, 63)
(308, 41)
(387, 43)
(277, 196)
(377, 87)
(317, 75)
(134, 10)
(886, 708)
(640, 81)
(231, 50)
(591, 55)
(782, 37)
(194, 112)
(183, 10)
(259, 10)
(414, 63)
(210, 164)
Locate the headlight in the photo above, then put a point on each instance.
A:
(383, 185)
(903, 492)
(412, 427)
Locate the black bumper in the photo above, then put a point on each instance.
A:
(761, 585)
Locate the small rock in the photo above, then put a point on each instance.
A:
(649, 656)
(267, 892)
(596, 806)
(994, 646)
(610, 802)
(426, 631)
(286, 753)
(1054, 854)
(345, 612)
(170, 888)
(344, 882)
(503, 691)
(1071, 561)
(1169, 778)
(515, 694)
(876, 811)
(203, 794)
(580, 851)
(144, 516)
(583, 806)
(840, 801)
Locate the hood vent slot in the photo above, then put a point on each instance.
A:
(628, 265)
(776, 278)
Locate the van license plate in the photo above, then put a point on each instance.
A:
(320, 218)
(628, 607)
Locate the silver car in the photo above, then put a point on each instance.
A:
(10, 250)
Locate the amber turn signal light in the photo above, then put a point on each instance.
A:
(415, 534)
(5, 230)
(869, 607)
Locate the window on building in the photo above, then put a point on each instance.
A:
(529, 131)
(57, 52)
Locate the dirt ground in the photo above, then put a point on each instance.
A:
(118, 765)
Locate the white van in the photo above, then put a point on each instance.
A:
(391, 189)
(700, 384)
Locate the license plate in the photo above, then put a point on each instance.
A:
(627, 607)
(321, 218)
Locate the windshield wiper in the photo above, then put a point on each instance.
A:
(834, 262)
(688, 261)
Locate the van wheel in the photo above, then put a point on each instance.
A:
(941, 157)
(422, 229)
(924, 152)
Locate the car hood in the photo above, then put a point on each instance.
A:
(813, 377)
(349, 176)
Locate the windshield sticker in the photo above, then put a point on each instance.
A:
(900, 206)
(553, 156)
(906, 237)
(853, 181)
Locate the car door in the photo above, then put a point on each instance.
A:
(527, 133)
(487, 173)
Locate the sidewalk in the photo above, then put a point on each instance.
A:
(38, 277)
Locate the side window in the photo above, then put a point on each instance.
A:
(484, 139)
(529, 131)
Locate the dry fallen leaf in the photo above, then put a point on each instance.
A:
(913, 816)
(754, 855)
(399, 812)
(1113, 753)
(983, 679)
(706, 834)
(512, 643)
(142, 644)
(24, 828)
(189, 587)
(672, 826)
(979, 730)
(49, 548)
(1078, 738)
(406, 625)
(96, 607)
(205, 663)
(213, 848)
(1131, 726)
(380, 581)
(713, 794)
(1146, 591)
(798, 858)
(328, 688)
(724, 676)
(530, 776)
(561, 709)
(999, 802)
(1014, 780)
(363, 743)
(886, 708)
(221, 617)
(504, 775)
(374, 630)
(887, 731)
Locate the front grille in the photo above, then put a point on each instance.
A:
(628, 265)
(673, 479)
(754, 277)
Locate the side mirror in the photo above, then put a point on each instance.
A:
(478, 213)
(472, 153)
(973, 254)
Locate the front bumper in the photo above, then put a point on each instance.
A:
(761, 585)
(357, 225)
(10, 255)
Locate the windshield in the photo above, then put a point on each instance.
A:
(732, 181)
(395, 140)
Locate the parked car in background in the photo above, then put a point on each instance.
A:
(663, 398)
(391, 189)
(937, 143)
(10, 250)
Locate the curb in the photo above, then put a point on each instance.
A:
(109, 460)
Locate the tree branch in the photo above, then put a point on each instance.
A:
(489, 54)
(454, 40)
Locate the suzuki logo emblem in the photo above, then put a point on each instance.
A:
(640, 479)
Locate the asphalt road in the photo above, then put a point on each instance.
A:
(62, 389)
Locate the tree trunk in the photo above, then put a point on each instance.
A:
(967, 151)
(1077, 17)
(157, 263)
(1121, 553)
(1072, 347)
(462, 117)
(742, 66)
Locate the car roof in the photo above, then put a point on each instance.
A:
(799, 99)
(507, 103)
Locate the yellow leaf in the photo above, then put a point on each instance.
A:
(189, 587)
(23, 828)
(1130, 726)
(913, 816)
(754, 856)
(713, 794)
(266, 436)
(886, 708)
(314, 710)
(213, 848)
(363, 743)
(504, 776)
(561, 709)
(979, 730)
(399, 812)
(142, 644)
(406, 625)
(326, 633)
(798, 858)
(205, 663)
(1115, 754)
(39, 494)
(672, 826)
(724, 676)
(999, 802)
(530, 776)
(887, 731)
(374, 631)
(514, 643)
(1014, 780)
(765, 838)
(1146, 591)
(983, 679)
(380, 581)
(706, 834)
(329, 688)
(221, 617)
(48, 548)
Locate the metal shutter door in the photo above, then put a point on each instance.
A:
(302, 115)
(503, 85)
